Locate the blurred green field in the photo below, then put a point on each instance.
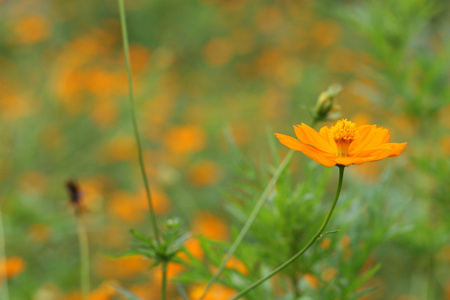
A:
(213, 80)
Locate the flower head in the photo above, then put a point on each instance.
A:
(343, 144)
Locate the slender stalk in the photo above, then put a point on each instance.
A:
(314, 238)
(4, 292)
(84, 258)
(249, 222)
(164, 280)
(123, 23)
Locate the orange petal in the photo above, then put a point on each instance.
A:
(381, 136)
(368, 136)
(318, 156)
(385, 150)
(397, 148)
(348, 160)
(325, 133)
(289, 142)
(311, 137)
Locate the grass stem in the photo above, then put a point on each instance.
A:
(83, 242)
(123, 23)
(164, 280)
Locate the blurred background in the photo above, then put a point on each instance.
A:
(201, 69)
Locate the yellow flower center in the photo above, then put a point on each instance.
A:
(343, 133)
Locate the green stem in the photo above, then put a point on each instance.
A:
(310, 243)
(123, 23)
(84, 258)
(249, 222)
(4, 292)
(164, 280)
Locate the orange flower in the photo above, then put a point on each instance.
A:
(11, 267)
(343, 144)
(217, 292)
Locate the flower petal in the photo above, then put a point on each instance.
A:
(311, 137)
(325, 133)
(397, 148)
(348, 160)
(290, 142)
(318, 156)
(368, 136)
(383, 151)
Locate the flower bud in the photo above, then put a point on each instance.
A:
(326, 102)
(75, 196)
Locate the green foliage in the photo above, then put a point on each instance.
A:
(400, 34)
(291, 215)
(164, 251)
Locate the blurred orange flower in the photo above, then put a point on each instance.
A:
(329, 274)
(194, 248)
(217, 292)
(185, 139)
(104, 292)
(218, 51)
(204, 173)
(120, 148)
(236, 264)
(210, 226)
(32, 29)
(311, 280)
(343, 143)
(325, 244)
(121, 268)
(160, 201)
(132, 208)
(326, 33)
(11, 267)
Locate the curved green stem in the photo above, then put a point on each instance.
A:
(310, 243)
(84, 258)
(249, 221)
(123, 23)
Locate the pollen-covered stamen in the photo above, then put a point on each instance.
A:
(343, 133)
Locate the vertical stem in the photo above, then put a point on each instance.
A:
(123, 23)
(249, 222)
(4, 292)
(84, 258)
(164, 280)
(294, 281)
(314, 238)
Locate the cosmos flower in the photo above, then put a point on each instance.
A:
(343, 144)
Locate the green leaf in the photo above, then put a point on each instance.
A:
(331, 232)
(178, 243)
(126, 253)
(141, 237)
(363, 278)
(362, 293)
(182, 291)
